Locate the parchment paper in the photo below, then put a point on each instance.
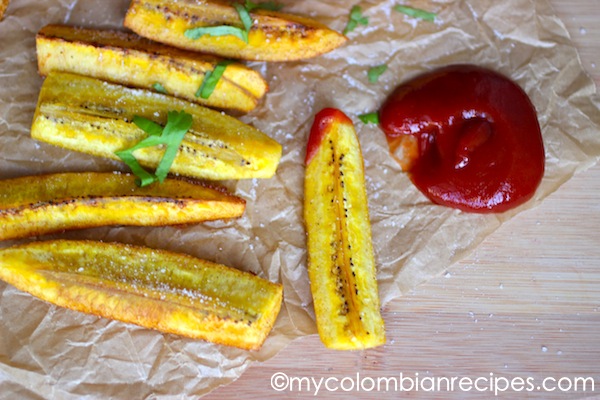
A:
(48, 352)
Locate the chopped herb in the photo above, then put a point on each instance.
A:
(178, 123)
(415, 12)
(144, 178)
(159, 88)
(355, 19)
(224, 30)
(267, 5)
(375, 72)
(148, 126)
(244, 16)
(369, 118)
(211, 78)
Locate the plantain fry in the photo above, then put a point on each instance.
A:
(95, 117)
(3, 7)
(272, 36)
(37, 205)
(156, 289)
(341, 264)
(130, 60)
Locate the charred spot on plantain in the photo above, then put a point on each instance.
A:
(56, 120)
(291, 29)
(165, 11)
(102, 108)
(207, 142)
(161, 200)
(195, 152)
(346, 308)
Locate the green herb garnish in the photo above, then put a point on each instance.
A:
(355, 19)
(245, 17)
(178, 123)
(159, 88)
(369, 118)
(375, 72)
(266, 5)
(224, 30)
(211, 78)
(415, 12)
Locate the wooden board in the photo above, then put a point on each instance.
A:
(525, 304)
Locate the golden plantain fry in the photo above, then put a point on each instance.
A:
(156, 289)
(3, 7)
(130, 60)
(273, 36)
(36, 205)
(341, 264)
(95, 117)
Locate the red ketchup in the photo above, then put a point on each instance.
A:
(468, 137)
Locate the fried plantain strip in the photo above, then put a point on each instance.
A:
(37, 205)
(3, 7)
(95, 117)
(341, 263)
(273, 36)
(156, 289)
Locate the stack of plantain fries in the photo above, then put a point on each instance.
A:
(107, 92)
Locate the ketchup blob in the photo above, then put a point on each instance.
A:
(469, 138)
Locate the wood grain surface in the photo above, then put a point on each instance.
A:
(525, 303)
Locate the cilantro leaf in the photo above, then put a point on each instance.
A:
(369, 118)
(224, 30)
(244, 16)
(178, 123)
(211, 78)
(144, 178)
(415, 12)
(159, 88)
(266, 5)
(375, 72)
(355, 19)
(150, 127)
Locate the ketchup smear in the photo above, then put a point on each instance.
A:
(472, 135)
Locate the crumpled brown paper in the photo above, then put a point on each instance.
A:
(48, 352)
